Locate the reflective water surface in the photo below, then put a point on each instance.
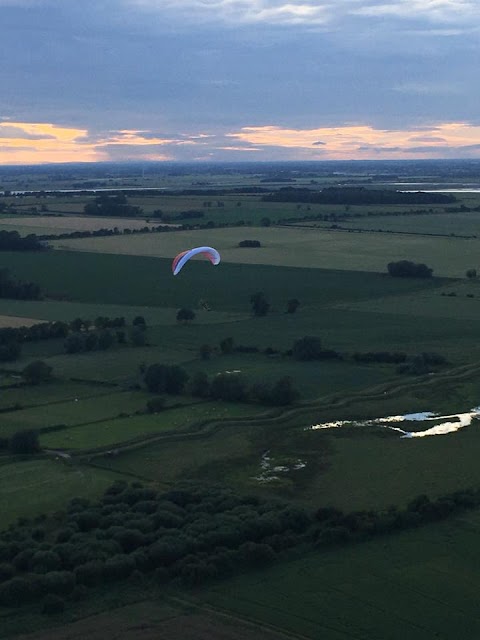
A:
(444, 424)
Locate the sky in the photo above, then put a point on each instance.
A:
(238, 80)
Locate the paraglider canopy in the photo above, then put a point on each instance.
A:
(178, 262)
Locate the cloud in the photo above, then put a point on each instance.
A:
(51, 143)
(320, 12)
(447, 11)
(427, 139)
(429, 88)
(245, 11)
(9, 131)
(361, 141)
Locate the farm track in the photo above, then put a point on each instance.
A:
(207, 428)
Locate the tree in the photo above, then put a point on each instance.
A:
(199, 385)
(260, 305)
(307, 348)
(75, 343)
(185, 315)
(283, 392)
(161, 378)
(471, 274)
(292, 305)
(226, 345)
(37, 372)
(105, 339)
(139, 321)
(137, 336)
(156, 404)
(407, 269)
(24, 442)
(53, 604)
(228, 386)
(205, 351)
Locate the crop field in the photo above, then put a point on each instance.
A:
(421, 585)
(29, 488)
(16, 321)
(73, 412)
(461, 223)
(67, 224)
(22, 395)
(296, 247)
(115, 432)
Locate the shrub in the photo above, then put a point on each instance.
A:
(7, 571)
(53, 604)
(59, 582)
(24, 442)
(119, 566)
(16, 592)
(90, 573)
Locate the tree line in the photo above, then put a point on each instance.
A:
(227, 386)
(357, 196)
(16, 289)
(186, 536)
(13, 241)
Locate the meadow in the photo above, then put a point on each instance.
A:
(394, 588)
(299, 247)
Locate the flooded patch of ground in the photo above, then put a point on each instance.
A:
(443, 424)
(272, 468)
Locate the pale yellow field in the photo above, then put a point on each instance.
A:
(67, 224)
(15, 321)
(318, 248)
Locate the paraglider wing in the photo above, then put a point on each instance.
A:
(178, 262)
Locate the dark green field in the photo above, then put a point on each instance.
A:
(421, 584)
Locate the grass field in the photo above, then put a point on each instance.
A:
(73, 412)
(143, 281)
(29, 488)
(461, 223)
(419, 585)
(315, 248)
(38, 395)
(112, 432)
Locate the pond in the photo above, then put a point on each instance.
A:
(442, 424)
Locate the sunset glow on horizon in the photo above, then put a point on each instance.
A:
(38, 143)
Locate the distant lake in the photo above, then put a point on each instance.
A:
(440, 190)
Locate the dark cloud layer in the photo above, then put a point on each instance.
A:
(200, 67)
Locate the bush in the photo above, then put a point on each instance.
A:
(16, 592)
(59, 582)
(7, 571)
(156, 404)
(307, 348)
(90, 573)
(24, 442)
(407, 269)
(53, 604)
(119, 566)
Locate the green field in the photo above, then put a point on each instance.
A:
(144, 281)
(420, 585)
(30, 488)
(417, 584)
(296, 247)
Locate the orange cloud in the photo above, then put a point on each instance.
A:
(360, 141)
(37, 143)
